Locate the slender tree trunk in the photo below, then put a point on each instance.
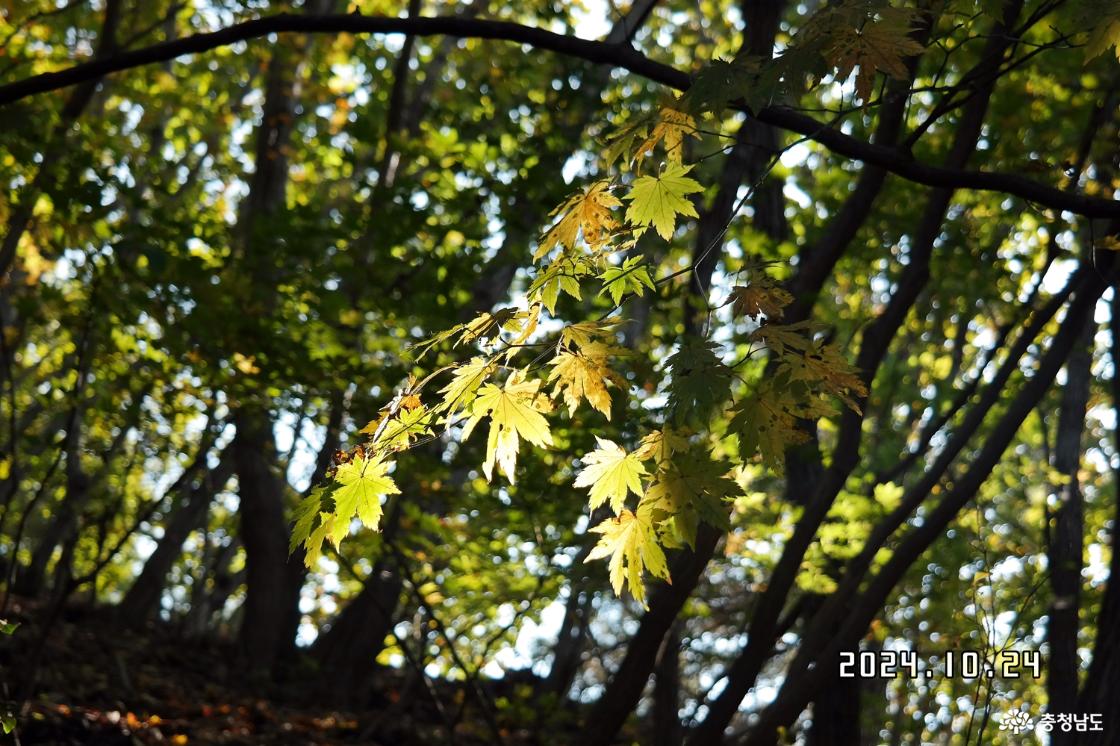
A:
(212, 589)
(347, 652)
(141, 602)
(64, 523)
(1065, 553)
(567, 653)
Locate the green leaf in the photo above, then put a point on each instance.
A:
(611, 473)
(692, 488)
(880, 45)
(362, 483)
(631, 277)
(561, 276)
(699, 382)
(306, 518)
(766, 424)
(658, 200)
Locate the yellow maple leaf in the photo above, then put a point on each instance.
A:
(671, 129)
(1104, 32)
(657, 200)
(660, 445)
(465, 381)
(362, 483)
(515, 412)
(631, 543)
(611, 473)
(588, 213)
(585, 375)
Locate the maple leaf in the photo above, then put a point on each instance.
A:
(523, 325)
(630, 541)
(587, 212)
(1103, 20)
(691, 488)
(307, 517)
(583, 333)
(515, 412)
(405, 427)
(314, 545)
(611, 473)
(671, 129)
(622, 140)
(720, 82)
(766, 424)
(465, 381)
(658, 200)
(562, 275)
(755, 81)
(361, 483)
(781, 338)
(699, 382)
(630, 277)
(826, 371)
(660, 445)
(877, 46)
(585, 374)
(754, 299)
(485, 327)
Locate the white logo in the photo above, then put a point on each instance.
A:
(1017, 722)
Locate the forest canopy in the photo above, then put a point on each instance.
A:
(539, 372)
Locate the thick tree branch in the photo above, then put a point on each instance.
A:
(616, 55)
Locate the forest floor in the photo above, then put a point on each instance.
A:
(95, 683)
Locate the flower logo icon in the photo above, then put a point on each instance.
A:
(1017, 722)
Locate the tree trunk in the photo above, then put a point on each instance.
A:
(141, 602)
(347, 652)
(1065, 553)
(212, 589)
(264, 532)
(666, 691)
(272, 593)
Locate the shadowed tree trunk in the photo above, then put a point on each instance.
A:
(142, 600)
(271, 588)
(1065, 553)
(667, 691)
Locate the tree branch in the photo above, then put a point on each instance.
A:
(602, 53)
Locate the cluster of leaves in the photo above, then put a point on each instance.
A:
(660, 490)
